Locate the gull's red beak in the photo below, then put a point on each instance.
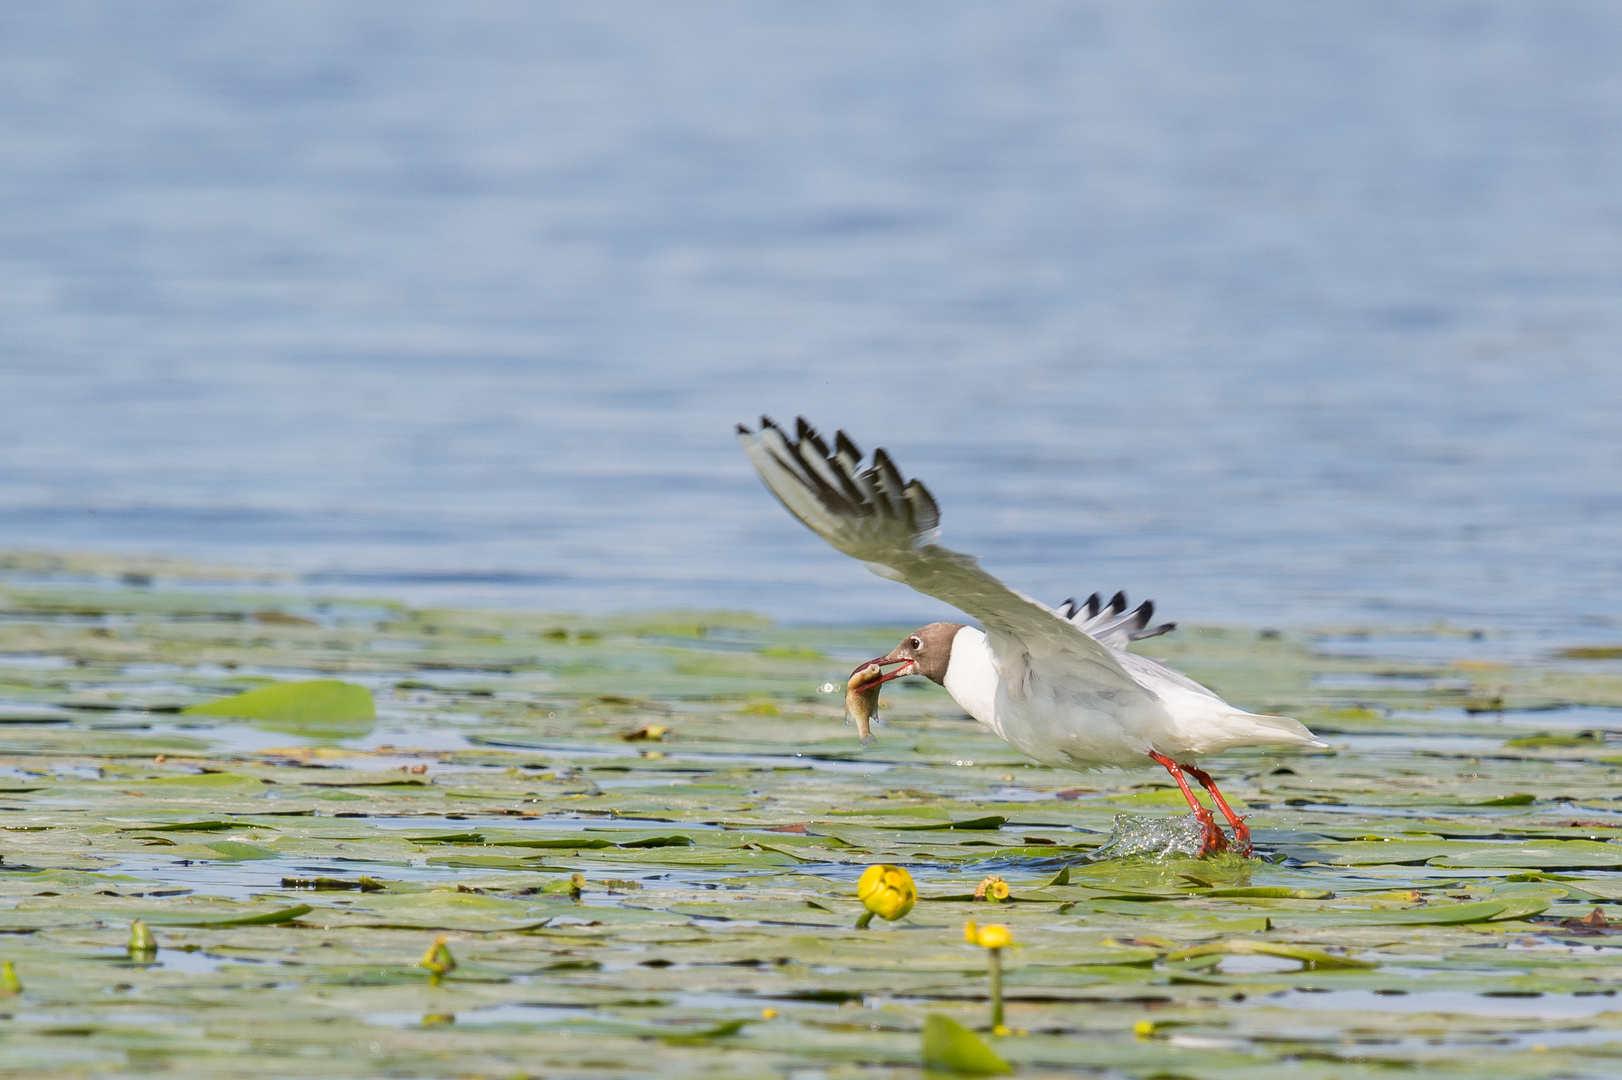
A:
(906, 668)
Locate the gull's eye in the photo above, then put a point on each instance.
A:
(915, 643)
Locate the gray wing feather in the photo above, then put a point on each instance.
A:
(890, 524)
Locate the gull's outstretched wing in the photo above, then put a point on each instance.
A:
(873, 515)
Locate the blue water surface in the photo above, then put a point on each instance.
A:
(1277, 312)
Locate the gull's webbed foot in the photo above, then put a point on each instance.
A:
(1213, 841)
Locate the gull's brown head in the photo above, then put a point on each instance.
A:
(926, 651)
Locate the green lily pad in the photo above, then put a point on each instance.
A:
(1434, 915)
(698, 1038)
(971, 824)
(1268, 892)
(1311, 959)
(269, 918)
(1375, 852)
(209, 785)
(317, 708)
(1538, 855)
(239, 851)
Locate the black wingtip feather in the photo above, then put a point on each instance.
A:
(890, 488)
(811, 436)
(1117, 603)
(926, 514)
(839, 483)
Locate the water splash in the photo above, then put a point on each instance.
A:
(1156, 837)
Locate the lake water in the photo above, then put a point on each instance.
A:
(1278, 313)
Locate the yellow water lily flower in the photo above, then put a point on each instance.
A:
(886, 891)
(990, 936)
(994, 938)
(992, 888)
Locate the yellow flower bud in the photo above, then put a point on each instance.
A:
(438, 960)
(991, 936)
(887, 891)
(143, 946)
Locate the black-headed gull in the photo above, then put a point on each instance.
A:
(1055, 684)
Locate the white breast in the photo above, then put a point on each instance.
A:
(972, 676)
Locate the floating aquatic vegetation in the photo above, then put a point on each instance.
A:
(1425, 888)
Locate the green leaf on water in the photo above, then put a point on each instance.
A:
(1518, 799)
(238, 851)
(269, 918)
(487, 862)
(447, 838)
(191, 826)
(1543, 740)
(1273, 892)
(659, 842)
(972, 824)
(1375, 852)
(319, 708)
(1430, 915)
(719, 1031)
(1311, 959)
(952, 1048)
(1538, 855)
(201, 784)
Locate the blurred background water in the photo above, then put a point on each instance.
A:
(1277, 312)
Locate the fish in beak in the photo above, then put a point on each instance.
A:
(862, 691)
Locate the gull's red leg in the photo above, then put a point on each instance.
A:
(1213, 839)
(1241, 831)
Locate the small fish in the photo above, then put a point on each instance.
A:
(862, 698)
